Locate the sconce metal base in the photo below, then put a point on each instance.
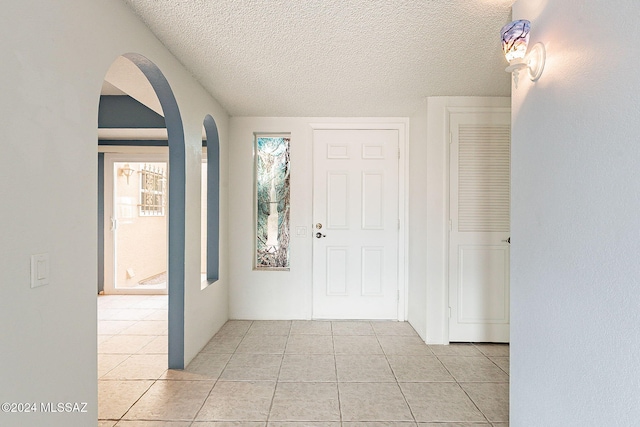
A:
(515, 70)
(534, 61)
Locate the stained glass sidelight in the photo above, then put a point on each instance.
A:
(272, 202)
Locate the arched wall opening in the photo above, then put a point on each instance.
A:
(176, 201)
(212, 200)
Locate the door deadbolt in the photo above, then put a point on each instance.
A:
(318, 226)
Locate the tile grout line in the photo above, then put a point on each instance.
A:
(106, 373)
(396, 377)
(492, 361)
(128, 357)
(463, 390)
(275, 388)
(335, 365)
(219, 375)
(138, 399)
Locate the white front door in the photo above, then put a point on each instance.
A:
(479, 237)
(355, 234)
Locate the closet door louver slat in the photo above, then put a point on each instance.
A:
(484, 178)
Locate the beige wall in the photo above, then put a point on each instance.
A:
(141, 241)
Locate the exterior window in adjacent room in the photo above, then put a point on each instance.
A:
(272, 205)
(152, 186)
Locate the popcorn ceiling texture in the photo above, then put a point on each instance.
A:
(334, 57)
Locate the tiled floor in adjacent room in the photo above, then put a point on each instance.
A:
(293, 373)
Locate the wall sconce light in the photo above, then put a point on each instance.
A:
(127, 171)
(515, 40)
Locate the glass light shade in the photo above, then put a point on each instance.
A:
(515, 38)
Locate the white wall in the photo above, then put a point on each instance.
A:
(206, 310)
(575, 350)
(274, 294)
(55, 56)
(417, 254)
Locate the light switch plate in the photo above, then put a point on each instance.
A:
(301, 231)
(39, 270)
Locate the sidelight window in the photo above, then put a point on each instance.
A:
(272, 201)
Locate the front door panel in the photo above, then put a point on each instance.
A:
(355, 204)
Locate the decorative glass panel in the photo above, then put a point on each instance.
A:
(272, 202)
(515, 38)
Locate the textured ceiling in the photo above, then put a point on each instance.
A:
(334, 57)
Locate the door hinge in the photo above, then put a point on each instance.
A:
(398, 152)
(398, 296)
(449, 312)
(398, 224)
(450, 138)
(450, 225)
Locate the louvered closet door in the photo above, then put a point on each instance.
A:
(480, 159)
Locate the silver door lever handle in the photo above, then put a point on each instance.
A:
(508, 240)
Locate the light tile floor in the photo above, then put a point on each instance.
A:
(293, 374)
